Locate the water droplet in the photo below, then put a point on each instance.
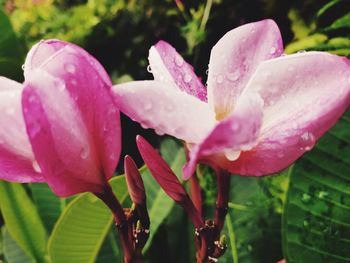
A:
(187, 78)
(305, 198)
(207, 71)
(232, 155)
(23, 67)
(61, 87)
(70, 68)
(179, 61)
(74, 82)
(219, 79)
(272, 50)
(302, 51)
(149, 69)
(307, 141)
(36, 166)
(233, 76)
(84, 152)
(235, 126)
(159, 132)
(143, 125)
(322, 194)
(148, 105)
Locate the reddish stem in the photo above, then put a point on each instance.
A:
(108, 197)
(223, 195)
(196, 193)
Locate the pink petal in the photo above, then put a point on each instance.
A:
(62, 144)
(304, 96)
(167, 179)
(42, 52)
(166, 110)
(169, 67)
(238, 132)
(235, 58)
(17, 162)
(88, 84)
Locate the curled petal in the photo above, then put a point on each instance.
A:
(234, 59)
(167, 179)
(304, 96)
(169, 67)
(238, 132)
(60, 140)
(17, 163)
(166, 110)
(134, 181)
(88, 84)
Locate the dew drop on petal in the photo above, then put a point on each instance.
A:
(233, 76)
(219, 79)
(23, 67)
(84, 152)
(179, 61)
(149, 69)
(36, 166)
(235, 126)
(159, 132)
(272, 50)
(301, 51)
(70, 68)
(207, 71)
(307, 141)
(187, 78)
(147, 106)
(232, 155)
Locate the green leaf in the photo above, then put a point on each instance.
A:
(83, 226)
(48, 204)
(22, 220)
(316, 219)
(13, 253)
(343, 22)
(11, 52)
(158, 203)
(253, 224)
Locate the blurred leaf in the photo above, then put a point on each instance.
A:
(11, 52)
(317, 211)
(83, 226)
(110, 251)
(22, 220)
(253, 224)
(158, 203)
(343, 22)
(48, 204)
(306, 43)
(13, 253)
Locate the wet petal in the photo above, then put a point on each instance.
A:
(235, 58)
(88, 84)
(167, 111)
(60, 139)
(239, 132)
(169, 67)
(16, 157)
(304, 96)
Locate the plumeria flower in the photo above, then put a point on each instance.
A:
(60, 126)
(260, 111)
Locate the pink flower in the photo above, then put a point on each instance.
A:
(66, 131)
(261, 110)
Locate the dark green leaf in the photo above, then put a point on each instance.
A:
(317, 211)
(13, 253)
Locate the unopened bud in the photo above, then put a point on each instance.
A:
(134, 181)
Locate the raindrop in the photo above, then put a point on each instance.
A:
(219, 79)
(179, 61)
(70, 68)
(235, 126)
(207, 72)
(272, 50)
(322, 194)
(187, 78)
(307, 141)
(233, 76)
(61, 87)
(36, 166)
(149, 69)
(74, 82)
(159, 132)
(143, 125)
(23, 67)
(302, 51)
(232, 155)
(147, 106)
(305, 198)
(84, 152)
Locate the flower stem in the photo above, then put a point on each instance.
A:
(223, 195)
(108, 197)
